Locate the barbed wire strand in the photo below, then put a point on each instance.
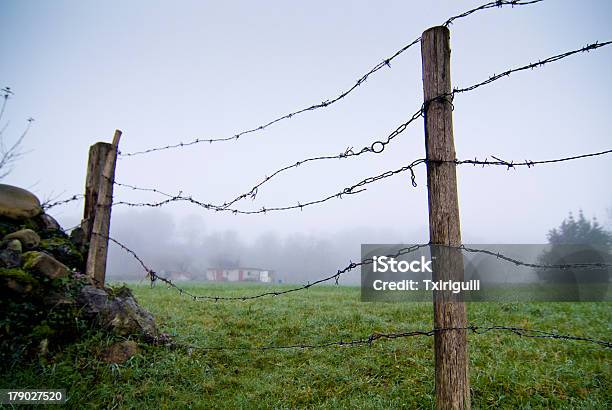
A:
(495, 77)
(527, 163)
(326, 103)
(376, 336)
(487, 6)
(48, 205)
(354, 189)
(351, 190)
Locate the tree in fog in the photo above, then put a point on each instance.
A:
(580, 231)
(577, 240)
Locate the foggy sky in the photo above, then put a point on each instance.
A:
(165, 72)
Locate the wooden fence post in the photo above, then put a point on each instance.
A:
(97, 157)
(451, 349)
(98, 202)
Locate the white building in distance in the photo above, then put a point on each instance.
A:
(239, 275)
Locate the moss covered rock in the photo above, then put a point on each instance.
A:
(44, 265)
(10, 254)
(62, 248)
(28, 238)
(117, 311)
(17, 282)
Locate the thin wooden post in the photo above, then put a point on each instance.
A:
(99, 221)
(451, 349)
(97, 157)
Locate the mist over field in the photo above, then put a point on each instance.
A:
(187, 245)
(169, 245)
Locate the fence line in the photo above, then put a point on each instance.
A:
(51, 204)
(375, 147)
(527, 163)
(346, 191)
(376, 336)
(384, 63)
(450, 357)
(495, 77)
(350, 190)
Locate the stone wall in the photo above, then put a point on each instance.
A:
(45, 299)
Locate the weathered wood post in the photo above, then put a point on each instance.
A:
(97, 157)
(451, 349)
(98, 203)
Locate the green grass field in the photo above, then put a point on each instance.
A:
(507, 371)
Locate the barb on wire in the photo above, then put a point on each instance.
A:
(490, 5)
(513, 164)
(495, 77)
(326, 103)
(373, 337)
(50, 204)
(354, 189)
(153, 276)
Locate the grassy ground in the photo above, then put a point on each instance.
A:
(506, 371)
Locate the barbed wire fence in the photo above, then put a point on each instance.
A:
(373, 337)
(376, 147)
(350, 190)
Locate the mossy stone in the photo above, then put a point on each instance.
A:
(45, 265)
(17, 281)
(64, 251)
(14, 245)
(28, 238)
